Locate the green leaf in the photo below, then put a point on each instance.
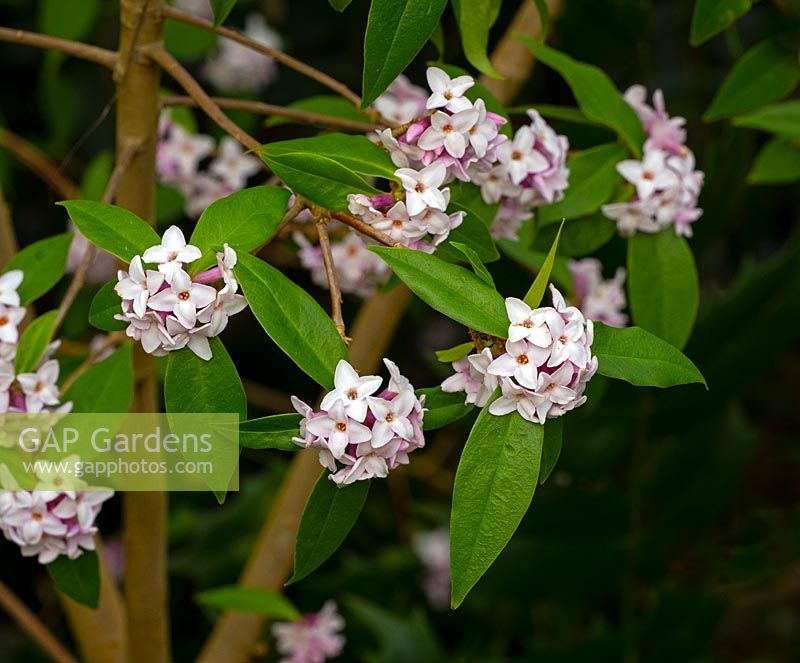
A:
(68, 19)
(474, 25)
(467, 198)
(78, 578)
(340, 5)
(245, 220)
(43, 264)
(778, 162)
(551, 446)
(663, 285)
(713, 16)
(187, 42)
(579, 237)
(250, 600)
(194, 385)
(105, 305)
(767, 72)
(221, 10)
(596, 95)
(329, 516)
(396, 31)
(593, 178)
(34, 341)
(641, 358)
(112, 228)
(324, 104)
(781, 119)
(437, 39)
(455, 353)
(536, 292)
(473, 234)
(106, 386)
(477, 266)
(292, 318)
(442, 408)
(275, 432)
(544, 19)
(96, 174)
(494, 486)
(452, 290)
(479, 91)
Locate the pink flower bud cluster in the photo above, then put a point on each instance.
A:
(315, 638)
(47, 524)
(599, 299)
(545, 367)
(359, 435)
(666, 182)
(178, 162)
(166, 309)
(433, 550)
(530, 171)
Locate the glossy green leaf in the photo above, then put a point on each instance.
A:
(78, 578)
(194, 385)
(328, 517)
(187, 42)
(494, 486)
(275, 432)
(641, 358)
(477, 266)
(780, 119)
(467, 198)
(221, 10)
(596, 95)
(663, 287)
(452, 290)
(442, 408)
(579, 237)
(766, 73)
(340, 5)
(68, 19)
(593, 178)
(105, 305)
(246, 220)
(475, 19)
(112, 228)
(253, 600)
(536, 292)
(544, 19)
(713, 16)
(472, 234)
(292, 318)
(43, 264)
(33, 342)
(396, 31)
(778, 162)
(455, 353)
(551, 446)
(324, 104)
(106, 386)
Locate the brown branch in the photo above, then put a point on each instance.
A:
(261, 108)
(33, 626)
(364, 228)
(196, 92)
(77, 49)
(274, 53)
(39, 163)
(333, 282)
(114, 339)
(124, 159)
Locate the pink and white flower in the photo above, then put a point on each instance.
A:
(315, 638)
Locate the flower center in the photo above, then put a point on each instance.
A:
(341, 427)
(352, 394)
(390, 417)
(522, 359)
(39, 386)
(173, 255)
(528, 324)
(37, 517)
(420, 187)
(398, 224)
(647, 175)
(447, 128)
(184, 296)
(563, 339)
(448, 95)
(516, 155)
(3, 321)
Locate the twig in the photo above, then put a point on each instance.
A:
(333, 282)
(364, 228)
(33, 626)
(274, 53)
(261, 108)
(112, 341)
(39, 163)
(193, 89)
(124, 159)
(84, 51)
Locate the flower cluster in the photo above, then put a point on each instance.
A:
(359, 435)
(166, 309)
(666, 182)
(238, 68)
(544, 369)
(433, 550)
(313, 639)
(597, 298)
(178, 163)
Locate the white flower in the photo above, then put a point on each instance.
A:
(226, 261)
(233, 165)
(399, 226)
(527, 324)
(183, 298)
(313, 639)
(449, 131)
(520, 157)
(9, 283)
(195, 338)
(402, 154)
(648, 175)
(520, 361)
(551, 389)
(138, 285)
(448, 92)
(172, 253)
(10, 317)
(180, 154)
(217, 313)
(34, 521)
(7, 376)
(391, 418)
(483, 131)
(514, 398)
(352, 390)
(149, 329)
(422, 187)
(40, 388)
(339, 429)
